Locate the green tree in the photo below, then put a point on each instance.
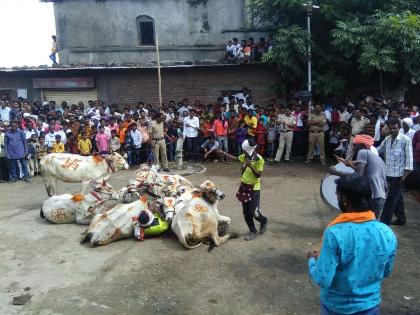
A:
(352, 40)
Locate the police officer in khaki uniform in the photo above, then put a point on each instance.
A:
(157, 139)
(316, 123)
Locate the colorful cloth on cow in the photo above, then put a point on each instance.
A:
(357, 253)
(248, 176)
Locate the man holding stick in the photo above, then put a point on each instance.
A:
(249, 190)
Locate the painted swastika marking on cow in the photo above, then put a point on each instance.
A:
(71, 163)
(58, 215)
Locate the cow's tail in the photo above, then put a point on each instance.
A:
(212, 244)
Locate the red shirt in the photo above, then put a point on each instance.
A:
(260, 134)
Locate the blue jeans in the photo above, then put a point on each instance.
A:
(270, 150)
(238, 148)
(371, 311)
(170, 151)
(223, 143)
(14, 168)
(53, 58)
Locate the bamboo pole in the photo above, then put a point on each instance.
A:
(159, 74)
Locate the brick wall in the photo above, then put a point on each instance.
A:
(204, 84)
(129, 86)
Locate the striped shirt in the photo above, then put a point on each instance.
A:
(398, 155)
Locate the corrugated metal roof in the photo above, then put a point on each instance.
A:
(147, 66)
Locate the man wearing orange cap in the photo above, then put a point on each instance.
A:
(369, 165)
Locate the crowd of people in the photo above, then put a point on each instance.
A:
(30, 130)
(248, 50)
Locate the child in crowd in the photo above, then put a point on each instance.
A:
(58, 146)
(115, 141)
(93, 133)
(260, 134)
(84, 145)
(32, 154)
(128, 147)
(41, 150)
(240, 136)
(271, 139)
(72, 143)
(102, 141)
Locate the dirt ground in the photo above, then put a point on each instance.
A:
(265, 276)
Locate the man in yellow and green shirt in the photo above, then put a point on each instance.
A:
(249, 190)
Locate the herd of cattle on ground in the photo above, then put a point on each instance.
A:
(192, 212)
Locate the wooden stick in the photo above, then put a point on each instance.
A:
(159, 75)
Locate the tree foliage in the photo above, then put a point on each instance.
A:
(351, 40)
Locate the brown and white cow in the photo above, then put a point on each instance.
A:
(78, 208)
(73, 168)
(197, 218)
(115, 223)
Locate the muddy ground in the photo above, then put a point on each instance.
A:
(265, 276)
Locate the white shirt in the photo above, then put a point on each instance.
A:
(344, 116)
(137, 138)
(28, 133)
(409, 134)
(191, 126)
(5, 113)
(182, 110)
(50, 139)
(377, 131)
(327, 115)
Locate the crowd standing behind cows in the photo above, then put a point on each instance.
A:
(29, 131)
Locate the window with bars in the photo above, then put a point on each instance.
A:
(146, 30)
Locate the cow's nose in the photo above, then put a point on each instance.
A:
(220, 194)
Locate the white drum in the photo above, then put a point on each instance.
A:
(328, 186)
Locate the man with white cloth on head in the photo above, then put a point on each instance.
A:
(406, 130)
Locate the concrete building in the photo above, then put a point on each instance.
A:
(107, 51)
(123, 31)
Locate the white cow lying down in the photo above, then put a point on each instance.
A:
(196, 219)
(78, 208)
(73, 168)
(115, 223)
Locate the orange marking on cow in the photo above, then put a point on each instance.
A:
(58, 214)
(78, 197)
(116, 233)
(200, 208)
(197, 195)
(97, 159)
(166, 177)
(104, 216)
(71, 163)
(143, 198)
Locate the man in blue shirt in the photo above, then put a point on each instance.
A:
(357, 253)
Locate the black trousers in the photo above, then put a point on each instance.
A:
(4, 168)
(251, 211)
(191, 148)
(394, 203)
